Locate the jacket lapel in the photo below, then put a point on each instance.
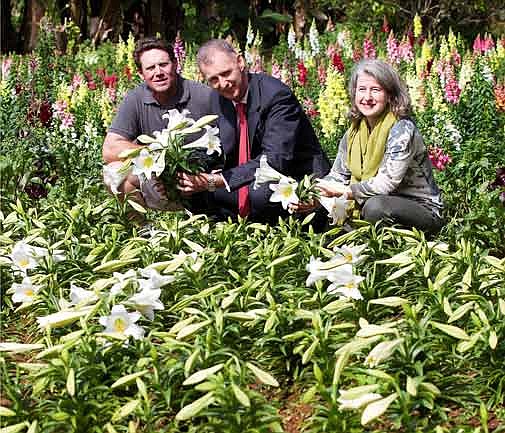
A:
(253, 107)
(228, 126)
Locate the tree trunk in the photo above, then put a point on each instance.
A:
(7, 36)
(78, 13)
(108, 24)
(34, 11)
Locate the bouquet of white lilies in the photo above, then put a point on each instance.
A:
(285, 189)
(169, 151)
(288, 191)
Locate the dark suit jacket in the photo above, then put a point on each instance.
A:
(278, 128)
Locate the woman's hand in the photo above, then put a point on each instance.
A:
(328, 188)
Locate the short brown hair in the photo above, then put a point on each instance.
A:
(152, 43)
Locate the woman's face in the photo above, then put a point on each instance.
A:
(371, 98)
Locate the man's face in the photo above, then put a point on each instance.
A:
(226, 74)
(158, 71)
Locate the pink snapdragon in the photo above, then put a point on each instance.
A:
(438, 158)
(6, 67)
(393, 49)
(405, 51)
(482, 45)
(310, 108)
(321, 75)
(76, 82)
(452, 90)
(369, 51)
(302, 73)
(180, 53)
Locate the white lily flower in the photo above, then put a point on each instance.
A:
(352, 253)
(121, 322)
(377, 408)
(122, 281)
(24, 292)
(336, 207)
(146, 302)
(345, 282)
(320, 270)
(264, 173)
(113, 176)
(22, 257)
(178, 120)
(358, 401)
(147, 163)
(80, 296)
(382, 351)
(62, 318)
(209, 140)
(284, 192)
(154, 279)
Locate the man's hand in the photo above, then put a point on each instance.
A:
(189, 184)
(303, 207)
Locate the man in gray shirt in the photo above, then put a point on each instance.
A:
(142, 109)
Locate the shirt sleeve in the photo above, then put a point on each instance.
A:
(339, 171)
(126, 121)
(397, 158)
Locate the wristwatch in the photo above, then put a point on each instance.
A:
(211, 182)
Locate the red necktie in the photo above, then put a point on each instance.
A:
(243, 157)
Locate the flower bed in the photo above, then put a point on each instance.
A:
(196, 326)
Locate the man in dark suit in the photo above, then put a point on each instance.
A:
(258, 115)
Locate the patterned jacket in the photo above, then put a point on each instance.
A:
(404, 171)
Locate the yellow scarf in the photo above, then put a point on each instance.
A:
(365, 149)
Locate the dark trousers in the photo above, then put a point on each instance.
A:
(222, 205)
(400, 210)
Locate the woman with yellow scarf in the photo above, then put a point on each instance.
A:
(382, 162)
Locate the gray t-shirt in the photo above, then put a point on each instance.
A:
(140, 113)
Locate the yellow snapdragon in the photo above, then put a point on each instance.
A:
(333, 102)
(418, 26)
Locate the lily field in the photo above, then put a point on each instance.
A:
(189, 325)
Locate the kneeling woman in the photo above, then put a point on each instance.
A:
(382, 157)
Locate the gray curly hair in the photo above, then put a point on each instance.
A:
(398, 97)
